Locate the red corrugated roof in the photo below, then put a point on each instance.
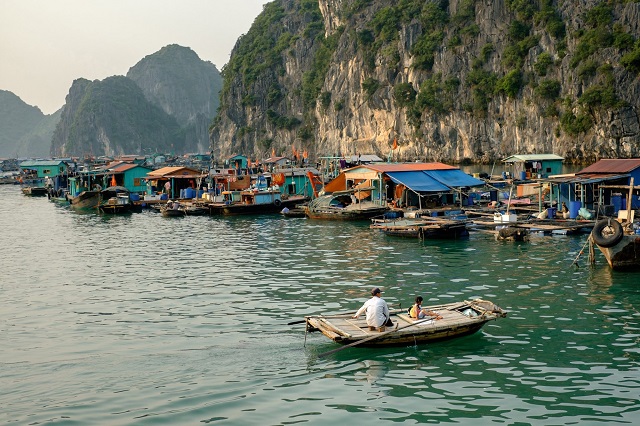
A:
(611, 165)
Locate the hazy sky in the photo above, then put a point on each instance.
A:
(46, 44)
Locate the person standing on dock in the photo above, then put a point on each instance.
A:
(377, 311)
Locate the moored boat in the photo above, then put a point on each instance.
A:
(85, 200)
(455, 320)
(343, 205)
(35, 191)
(115, 200)
(254, 201)
(423, 228)
(619, 245)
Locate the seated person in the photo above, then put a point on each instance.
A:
(418, 312)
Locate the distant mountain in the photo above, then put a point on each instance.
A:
(164, 104)
(185, 87)
(26, 131)
(113, 117)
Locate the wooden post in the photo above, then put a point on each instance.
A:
(629, 199)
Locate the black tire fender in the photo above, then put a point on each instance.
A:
(607, 233)
(277, 202)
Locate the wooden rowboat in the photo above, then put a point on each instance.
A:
(457, 319)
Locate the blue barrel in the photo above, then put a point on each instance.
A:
(616, 200)
(551, 212)
(523, 175)
(574, 207)
(164, 197)
(134, 197)
(189, 193)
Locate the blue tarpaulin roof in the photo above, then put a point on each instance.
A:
(434, 180)
(454, 178)
(417, 181)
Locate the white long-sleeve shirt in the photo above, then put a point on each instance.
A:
(377, 311)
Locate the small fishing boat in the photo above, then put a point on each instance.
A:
(178, 209)
(453, 320)
(35, 191)
(343, 205)
(619, 244)
(423, 228)
(115, 200)
(85, 200)
(294, 212)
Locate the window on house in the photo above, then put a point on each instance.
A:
(137, 182)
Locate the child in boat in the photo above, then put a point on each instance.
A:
(418, 312)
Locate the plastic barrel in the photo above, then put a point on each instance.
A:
(189, 193)
(616, 200)
(523, 175)
(574, 207)
(134, 196)
(551, 212)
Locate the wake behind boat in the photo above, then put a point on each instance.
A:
(456, 320)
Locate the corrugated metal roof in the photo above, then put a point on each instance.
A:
(531, 157)
(30, 163)
(611, 165)
(120, 168)
(407, 167)
(174, 172)
(585, 178)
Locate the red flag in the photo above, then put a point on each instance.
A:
(395, 143)
(273, 152)
(113, 180)
(305, 154)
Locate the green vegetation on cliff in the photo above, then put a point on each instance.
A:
(113, 116)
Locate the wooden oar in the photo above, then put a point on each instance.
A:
(376, 336)
(395, 311)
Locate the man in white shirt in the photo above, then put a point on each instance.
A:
(377, 310)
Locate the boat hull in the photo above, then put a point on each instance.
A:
(85, 200)
(329, 213)
(625, 254)
(246, 209)
(35, 191)
(456, 320)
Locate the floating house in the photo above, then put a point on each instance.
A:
(128, 175)
(407, 185)
(528, 166)
(45, 168)
(175, 182)
(272, 163)
(238, 162)
(294, 181)
(599, 186)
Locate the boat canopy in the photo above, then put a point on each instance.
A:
(454, 178)
(434, 180)
(417, 181)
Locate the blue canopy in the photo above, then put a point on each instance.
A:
(434, 180)
(454, 178)
(418, 181)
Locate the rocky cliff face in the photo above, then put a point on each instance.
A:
(113, 117)
(164, 104)
(25, 130)
(449, 80)
(184, 86)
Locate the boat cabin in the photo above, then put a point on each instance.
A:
(532, 166)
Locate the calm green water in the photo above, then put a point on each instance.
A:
(142, 319)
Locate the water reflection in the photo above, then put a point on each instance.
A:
(137, 319)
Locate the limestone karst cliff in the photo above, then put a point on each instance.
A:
(184, 86)
(449, 80)
(164, 104)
